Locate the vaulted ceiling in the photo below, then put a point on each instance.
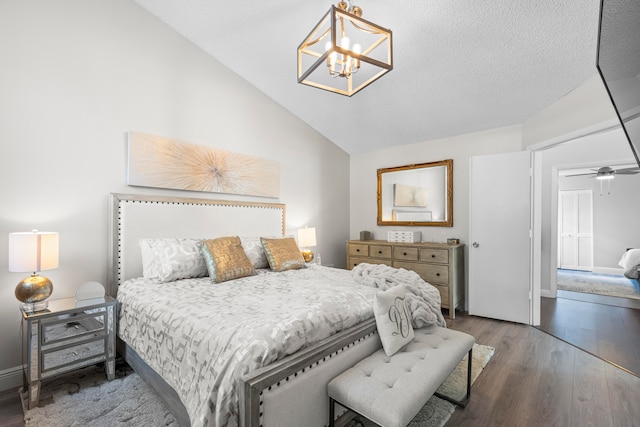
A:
(459, 65)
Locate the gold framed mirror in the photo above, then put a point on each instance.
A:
(416, 195)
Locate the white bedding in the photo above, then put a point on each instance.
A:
(202, 337)
(630, 261)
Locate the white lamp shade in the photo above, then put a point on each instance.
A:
(33, 251)
(307, 237)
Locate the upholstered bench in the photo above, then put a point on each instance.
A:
(391, 391)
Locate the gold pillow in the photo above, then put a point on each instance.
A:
(226, 259)
(283, 253)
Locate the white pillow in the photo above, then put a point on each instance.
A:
(630, 261)
(393, 319)
(172, 259)
(149, 264)
(255, 252)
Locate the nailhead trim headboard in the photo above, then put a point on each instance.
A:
(133, 217)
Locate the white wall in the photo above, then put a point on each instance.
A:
(615, 213)
(600, 149)
(586, 106)
(76, 76)
(459, 148)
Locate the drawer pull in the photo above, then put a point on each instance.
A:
(357, 250)
(438, 274)
(75, 353)
(404, 253)
(433, 255)
(379, 252)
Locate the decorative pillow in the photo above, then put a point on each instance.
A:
(149, 264)
(226, 259)
(253, 248)
(283, 253)
(172, 259)
(393, 319)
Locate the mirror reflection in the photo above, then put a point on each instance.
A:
(420, 194)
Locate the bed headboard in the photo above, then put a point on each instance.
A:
(133, 217)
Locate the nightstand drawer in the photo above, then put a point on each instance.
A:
(70, 334)
(61, 356)
(440, 256)
(75, 326)
(380, 251)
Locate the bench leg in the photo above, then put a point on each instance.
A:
(465, 400)
(331, 412)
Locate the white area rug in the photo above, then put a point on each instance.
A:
(438, 411)
(85, 398)
(601, 284)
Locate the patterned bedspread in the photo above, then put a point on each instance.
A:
(202, 337)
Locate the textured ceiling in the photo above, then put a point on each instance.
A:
(459, 65)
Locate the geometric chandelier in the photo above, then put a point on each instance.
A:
(344, 53)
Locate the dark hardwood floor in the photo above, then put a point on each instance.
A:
(607, 331)
(10, 409)
(533, 379)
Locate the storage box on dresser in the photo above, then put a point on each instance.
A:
(440, 264)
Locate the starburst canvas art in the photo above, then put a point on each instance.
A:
(160, 162)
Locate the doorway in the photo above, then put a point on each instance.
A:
(605, 326)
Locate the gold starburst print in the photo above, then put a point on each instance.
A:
(160, 162)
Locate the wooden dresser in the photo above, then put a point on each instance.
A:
(440, 264)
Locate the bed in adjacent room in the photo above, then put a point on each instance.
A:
(224, 342)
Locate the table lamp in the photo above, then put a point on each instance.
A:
(307, 239)
(33, 251)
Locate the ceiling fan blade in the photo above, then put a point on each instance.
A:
(581, 174)
(628, 171)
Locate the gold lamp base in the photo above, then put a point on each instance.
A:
(33, 291)
(307, 255)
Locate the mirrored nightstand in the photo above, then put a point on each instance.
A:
(68, 335)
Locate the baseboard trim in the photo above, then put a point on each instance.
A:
(546, 293)
(11, 378)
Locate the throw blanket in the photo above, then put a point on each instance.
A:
(423, 298)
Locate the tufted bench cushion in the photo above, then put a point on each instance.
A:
(390, 391)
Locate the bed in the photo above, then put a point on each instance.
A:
(630, 262)
(284, 387)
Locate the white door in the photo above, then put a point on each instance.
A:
(575, 229)
(500, 235)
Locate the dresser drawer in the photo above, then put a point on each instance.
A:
(380, 251)
(440, 256)
(432, 273)
(353, 261)
(405, 253)
(357, 249)
(439, 264)
(444, 295)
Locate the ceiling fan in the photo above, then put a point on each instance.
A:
(606, 172)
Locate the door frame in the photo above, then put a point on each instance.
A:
(538, 149)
